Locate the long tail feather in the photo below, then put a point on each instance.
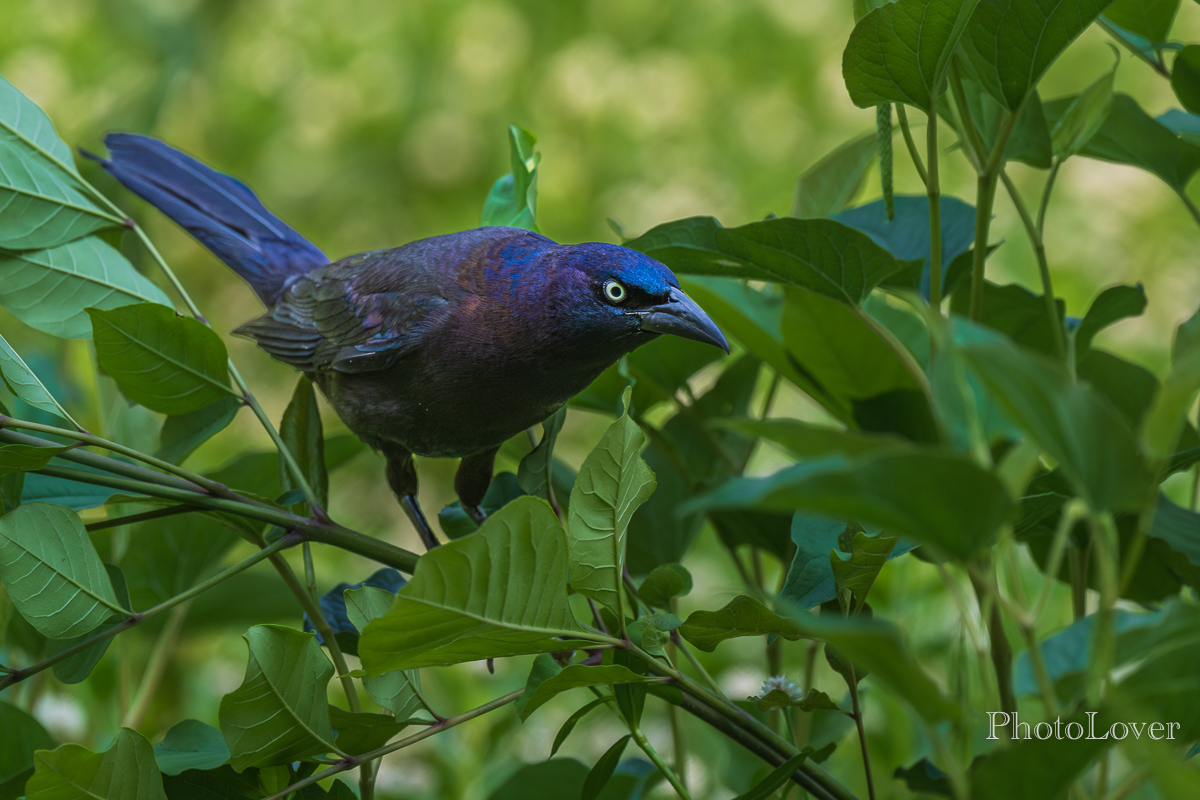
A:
(220, 211)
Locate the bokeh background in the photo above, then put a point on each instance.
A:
(366, 124)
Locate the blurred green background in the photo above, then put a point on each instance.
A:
(366, 124)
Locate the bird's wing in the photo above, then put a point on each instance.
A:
(366, 312)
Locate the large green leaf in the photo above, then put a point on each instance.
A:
(841, 353)
(1033, 769)
(817, 254)
(52, 571)
(41, 205)
(190, 745)
(806, 440)
(900, 52)
(1110, 307)
(1083, 117)
(397, 691)
(1185, 77)
(126, 771)
(534, 471)
(513, 198)
(612, 483)
(943, 500)
(501, 591)
(1011, 43)
(857, 574)
(359, 732)
(23, 734)
(1150, 19)
(49, 289)
(832, 183)
(742, 616)
(564, 778)
(1131, 136)
(24, 122)
(76, 667)
(280, 713)
(26, 457)
(22, 382)
(1080, 430)
(168, 363)
(1029, 141)
(303, 436)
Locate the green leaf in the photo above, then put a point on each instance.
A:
(501, 591)
(126, 771)
(26, 457)
(572, 721)
(279, 714)
(806, 440)
(49, 289)
(1150, 19)
(743, 616)
(513, 198)
(821, 255)
(76, 668)
(533, 473)
(1131, 136)
(852, 362)
(190, 745)
(563, 779)
(832, 183)
(43, 205)
(1011, 43)
(165, 362)
(1084, 116)
(1111, 306)
(1168, 414)
(544, 667)
(397, 691)
(1033, 769)
(664, 583)
(1016, 312)
(1185, 77)
(53, 574)
(22, 382)
(612, 483)
(813, 700)
(577, 676)
(24, 122)
(934, 498)
(867, 557)
(181, 434)
(603, 770)
(301, 432)
(23, 734)
(900, 52)
(777, 778)
(359, 733)
(1089, 440)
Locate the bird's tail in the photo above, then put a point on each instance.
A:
(220, 211)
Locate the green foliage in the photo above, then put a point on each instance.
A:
(279, 713)
(1012, 445)
(161, 360)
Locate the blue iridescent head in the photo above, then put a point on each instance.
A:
(629, 295)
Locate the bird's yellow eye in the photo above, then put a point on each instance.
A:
(614, 291)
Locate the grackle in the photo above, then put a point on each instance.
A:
(444, 347)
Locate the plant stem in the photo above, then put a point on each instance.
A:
(985, 196)
(1039, 250)
(934, 190)
(160, 657)
(1001, 649)
(314, 530)
(678, 743)
(656, 759)
(696, 665)
(1079, 579)
(862, 734)
(352, 761)
(1191, 207)
(270, 551)
(1046, 192)
(130, 519)
(913, 152)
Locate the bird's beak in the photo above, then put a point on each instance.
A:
(682, 317)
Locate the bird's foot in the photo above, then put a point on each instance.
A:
(476, 513)
(417, 517)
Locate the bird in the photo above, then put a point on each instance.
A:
(444, 347)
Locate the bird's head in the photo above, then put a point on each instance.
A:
(630, 297)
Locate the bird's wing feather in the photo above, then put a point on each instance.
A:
(366, 312)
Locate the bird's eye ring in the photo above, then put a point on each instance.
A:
(614, 292)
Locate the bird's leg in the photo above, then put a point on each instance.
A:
(402, 477)
(471, 483)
